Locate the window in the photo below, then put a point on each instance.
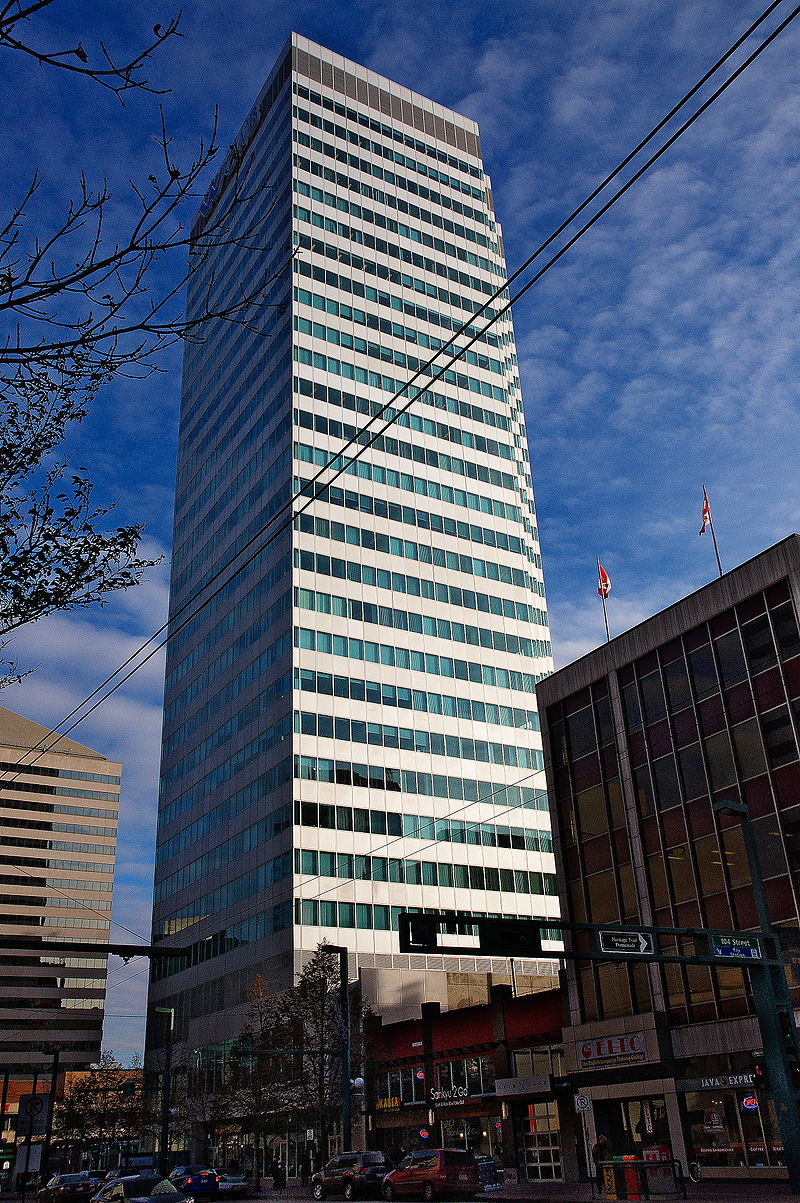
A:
(779, 737)
(731, 657)
(758, 644)
(677, 681)
(748, 749)
(704, 673)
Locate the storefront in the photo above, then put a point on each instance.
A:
(479, 1079)
(730, 1126)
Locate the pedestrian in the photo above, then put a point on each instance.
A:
(601, 1151)
(278, 1176)
(305, 1168)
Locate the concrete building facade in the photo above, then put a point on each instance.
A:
(59, 813)
(698, 705)
(350, 722)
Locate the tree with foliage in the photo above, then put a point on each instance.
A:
(287, 1062)
(79, 306)
(103, 1105)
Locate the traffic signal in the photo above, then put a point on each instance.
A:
(760, 1073)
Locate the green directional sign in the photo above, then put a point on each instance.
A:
(730, 946)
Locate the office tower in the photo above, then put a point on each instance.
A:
(645, 738)
(59, 818)
(347, 720)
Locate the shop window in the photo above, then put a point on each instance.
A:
(677, 682)
(692, 771)
(732, 664)
(720, 760)
(666, 782)
(779, 737)
(704, 672)
(473, 1071)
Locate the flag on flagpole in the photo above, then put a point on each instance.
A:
(603, 581)
(706, 514)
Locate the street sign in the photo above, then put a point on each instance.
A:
(627, 943)
(32, 1114)
(582, 1102)
(739, 948)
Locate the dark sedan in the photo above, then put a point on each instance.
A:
(67, 1188)
(140, 1189)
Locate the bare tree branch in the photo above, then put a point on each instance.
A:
(119, 77)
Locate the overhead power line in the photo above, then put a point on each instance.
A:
(198, 601)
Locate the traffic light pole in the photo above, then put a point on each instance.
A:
(774, 1009)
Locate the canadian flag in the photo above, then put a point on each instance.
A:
(603, 581)
(706, 514)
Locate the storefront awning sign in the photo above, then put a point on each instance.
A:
(625, 1049)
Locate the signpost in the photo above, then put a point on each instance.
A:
(740, 948)
(627, 943)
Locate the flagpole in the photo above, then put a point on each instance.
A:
(711, 528)
(603, 600)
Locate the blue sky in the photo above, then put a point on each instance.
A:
(658, 356)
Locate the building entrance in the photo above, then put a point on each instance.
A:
(632, 1125)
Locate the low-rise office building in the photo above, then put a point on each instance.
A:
(697, 705)
(481, 1078)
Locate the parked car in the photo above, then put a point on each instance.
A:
(139, 1188)
(351, 1174)
(432, 1172)
(195, 1179)
(68, 1188)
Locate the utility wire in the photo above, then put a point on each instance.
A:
(437, 355)
(358, 438)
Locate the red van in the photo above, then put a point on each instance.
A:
(429, 1173)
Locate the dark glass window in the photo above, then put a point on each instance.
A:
(592, 812)
(692, 771)
(630, 705)
(748, 749)
(644, 791)
(677, 681)
(779, 737)
(581, 732)
(720, 760)
(758, 644)
(786, 633)
(666, 782)
(653, 697)
(732, 665)
(605, 722)
(680, 870)
(704, 673)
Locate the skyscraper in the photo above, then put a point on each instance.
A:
(59, 818)
(347, 720)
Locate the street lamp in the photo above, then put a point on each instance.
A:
(163, 1151)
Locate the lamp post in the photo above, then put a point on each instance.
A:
(773, 1004)
(163, 1148)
